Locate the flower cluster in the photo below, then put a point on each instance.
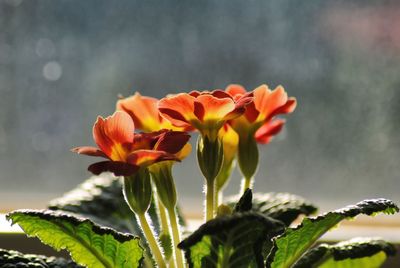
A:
(230, 123)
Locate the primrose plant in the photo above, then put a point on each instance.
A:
(127, 215)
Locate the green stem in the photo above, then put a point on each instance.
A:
(176, 238)
(151, 240)
(246, 183)
(210, 200)
(218, 199)
(163, 218)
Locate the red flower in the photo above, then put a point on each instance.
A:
(144, 113)
(259, 118)
(126, 151)
(205, 111)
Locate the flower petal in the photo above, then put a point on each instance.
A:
(116, 167)
(119, 127)
(89, 150)
(112, 132)
(266, 132)
(235, 90)
(172, 141)
(215, 109)
(143, 111)
(143, 158)
(287, 108)
(179, 109)
(267, 101)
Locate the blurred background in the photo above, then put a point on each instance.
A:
(62, 63)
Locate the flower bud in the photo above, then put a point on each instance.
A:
(210, 157)
(248, 156)
(164, 182)
(137, 191)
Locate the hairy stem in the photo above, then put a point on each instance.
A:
(210, 192)
(176, 238)
(151, 240)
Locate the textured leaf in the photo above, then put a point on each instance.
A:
(100, 199)
(230, 241)
(281, 206)
(355, 253)
(289, 246)
(15, 259)
(88, 244)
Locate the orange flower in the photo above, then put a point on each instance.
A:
(144, 113)
(206, 111)
(128, 151)
(258, 119)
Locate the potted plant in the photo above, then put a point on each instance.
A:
(127, 215)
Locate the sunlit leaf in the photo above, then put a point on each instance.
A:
(291, 245)
(87, 243)
(355, 253)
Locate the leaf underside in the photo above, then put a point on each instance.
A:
(291, 245)
(356, 253)
(230, 241)
(281, 206)
(15, 259)
(88, 244)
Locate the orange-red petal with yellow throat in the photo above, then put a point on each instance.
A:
(267, 101)
(178, 109)
(89, 150)
(266, 132)
(143, 111)
(214, 109)
(116, 167)
(145, 158)
(112, 132)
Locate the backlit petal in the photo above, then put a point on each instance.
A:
(267, 101)
(266, 132)
(145, 158)
(235, 90)
(143, 111)
(178, 109)
(215, 108)
(119, 127)
(88, 150)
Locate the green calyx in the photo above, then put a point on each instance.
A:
(210, 157)
(248, 155)
(137, 191)
(163, 180)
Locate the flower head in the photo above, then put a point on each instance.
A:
(144, 113)
(258, 123)
(259, 119)
(206, 111)
(127, 151)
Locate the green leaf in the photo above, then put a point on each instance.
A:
(15, 259)
(88, 243)
(281, 206)
(289, 246)
(100, 199)
(355, 253)
(230, 241)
